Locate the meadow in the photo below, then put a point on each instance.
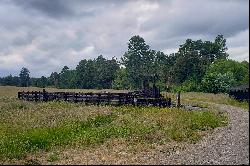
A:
(29, 127)
(203, 99)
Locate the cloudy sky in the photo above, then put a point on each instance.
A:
(45, 35)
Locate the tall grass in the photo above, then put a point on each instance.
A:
(147, 124)
(198, 97)
(27, 127)
(11, 91)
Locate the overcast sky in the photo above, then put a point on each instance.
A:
(45, 35)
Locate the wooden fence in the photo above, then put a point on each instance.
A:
(241, 95)
(132, 98)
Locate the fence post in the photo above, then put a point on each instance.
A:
(27, 96)
(169, 102)
(76, 96)
(178, 97)
(108, 98)
(65, 96)
(18, 95)
(23, 94)
(119, 99)
(36, 96)
(45, 97)
(98, 99)
(32, 95)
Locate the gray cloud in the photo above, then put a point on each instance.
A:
(66, 8)
(54, 8)
(45, 35)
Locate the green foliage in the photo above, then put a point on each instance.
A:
(10, 80)
(188, 66)
(24, 77)
(121, 79)
(223, 74)
(134, 60)
(105, 72)
(85, 74)
(220, 48)
(67, 78)
(42, 82)
(239, 70)
(191, 85)
(53, 79)
(194, 57)
(98, 73)
(143, 65)
(217, 82)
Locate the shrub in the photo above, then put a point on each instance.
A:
(217, 82)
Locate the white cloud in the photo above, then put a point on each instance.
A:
(238, 46)
(168, 51)
(10, 60)
(239, 53)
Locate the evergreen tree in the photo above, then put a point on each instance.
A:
(136, 59)
(24, 77)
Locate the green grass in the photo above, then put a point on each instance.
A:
(133, 123)
(199, 98)
(241, 104)
(29, 127)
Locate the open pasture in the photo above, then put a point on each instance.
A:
(31, 128)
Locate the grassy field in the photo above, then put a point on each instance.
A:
(28, 127)
(195, 98)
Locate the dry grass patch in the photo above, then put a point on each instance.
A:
(11, 91)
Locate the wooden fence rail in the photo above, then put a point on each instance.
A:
(241, 95)
(131, 98)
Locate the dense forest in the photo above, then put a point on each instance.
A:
(198, 65)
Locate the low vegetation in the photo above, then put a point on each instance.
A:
(135, 124)
(28, 127)
(195, 97)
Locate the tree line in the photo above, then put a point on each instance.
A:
(197, 66)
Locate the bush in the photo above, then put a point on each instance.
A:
(189, 85)
(239, 71)
(217, 82)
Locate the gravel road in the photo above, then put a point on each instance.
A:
(226, 145)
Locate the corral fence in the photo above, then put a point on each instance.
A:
(240, 93)
(135, 98)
